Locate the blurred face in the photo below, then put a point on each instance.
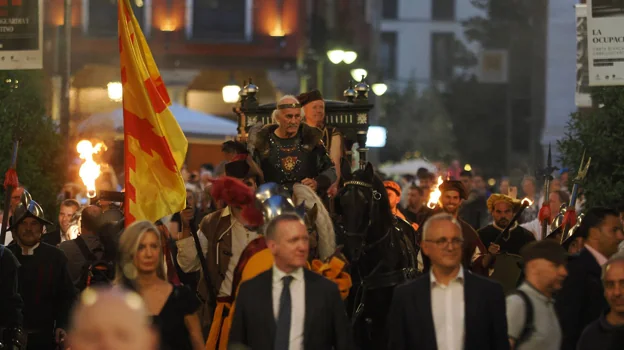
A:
(450, 202)
(29, 231)
(291, 245)
(555, 203)
(564, 179)
(467, 182)
(504, 187)
(414, 198)
(251, 183)
(555, 185)
(614, 286)
(289, 119)
(479, 183)
(424, 182)
(549, 274)
(190, 198)
(502, 213)
(528, 187)
(16, 196)
(393, 198)
(110, 325)
(576, 245)
(315, 113)
(148, 253)
(65, 216)
(443, 244)
(608, 235)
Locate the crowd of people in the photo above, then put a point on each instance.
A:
(253, 261)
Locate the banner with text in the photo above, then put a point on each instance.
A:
(21, 34)
(582, 96)
(605, 24)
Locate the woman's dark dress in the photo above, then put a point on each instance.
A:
(170, 322)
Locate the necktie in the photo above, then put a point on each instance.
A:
(282, 335)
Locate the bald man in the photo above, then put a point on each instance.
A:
(111, 319)
(292, 152)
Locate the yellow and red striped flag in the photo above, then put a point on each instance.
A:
(155, 146)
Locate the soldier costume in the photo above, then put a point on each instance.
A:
(287, 161)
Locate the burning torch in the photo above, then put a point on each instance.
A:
(434, 196)
(89, 170)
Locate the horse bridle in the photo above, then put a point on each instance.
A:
(375, 196)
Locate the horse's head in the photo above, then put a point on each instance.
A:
(310, 222)
(363, 207)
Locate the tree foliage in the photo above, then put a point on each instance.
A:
(599, 133)
(41, 160)
(417, 122)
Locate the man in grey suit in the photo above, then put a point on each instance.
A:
(289, 307)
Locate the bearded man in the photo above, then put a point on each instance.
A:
(501, 208)
(292, 152)
(474, 257)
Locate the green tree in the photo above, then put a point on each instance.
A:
(41, 161)
(599, 133)
(416, 121)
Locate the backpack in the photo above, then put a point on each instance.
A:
(94, 272)
(529, 326)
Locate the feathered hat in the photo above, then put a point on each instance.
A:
(236, 194)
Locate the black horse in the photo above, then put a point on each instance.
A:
(379, 250)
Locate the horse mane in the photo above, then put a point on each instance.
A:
(324, 223)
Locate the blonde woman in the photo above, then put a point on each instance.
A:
(142, 268)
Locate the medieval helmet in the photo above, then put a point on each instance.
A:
(558, 221)
(32, 209)
(274, 200)
(571, 234)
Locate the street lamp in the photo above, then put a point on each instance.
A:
(358, 74)
(230, 92)
(115, 91)
(349, 57)
(379, 88)
(335, 56)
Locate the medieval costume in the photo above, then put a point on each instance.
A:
(328, 132)
(44, 284)
(473, 250)
(222, 239)
(11, 318)
(517, 237)
(393, 186)
(287, 161)
(257, 258)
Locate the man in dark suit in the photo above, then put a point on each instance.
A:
(581, 299)
(449, 307)
(289, 307)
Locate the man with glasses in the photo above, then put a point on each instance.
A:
(449, 307)
(290, 151)
(581, 299)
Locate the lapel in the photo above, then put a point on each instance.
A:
(267, 308)
(309, 305)
(423, 300)
(471, 307)
(224, 242)
(590, 263)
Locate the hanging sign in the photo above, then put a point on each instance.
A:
(605, 34)
(21, 34)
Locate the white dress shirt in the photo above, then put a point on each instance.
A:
(600, 259)
(447, 307)
(297, 296)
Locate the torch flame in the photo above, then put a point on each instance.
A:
(526, 202)
(90, 170)
(434, 196)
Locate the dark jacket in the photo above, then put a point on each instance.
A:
(326, 325)
(411, 319)
(581, 298)
(12, 304)
(600, 334)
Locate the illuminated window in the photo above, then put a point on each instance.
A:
(99, 17)
(219, 20)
